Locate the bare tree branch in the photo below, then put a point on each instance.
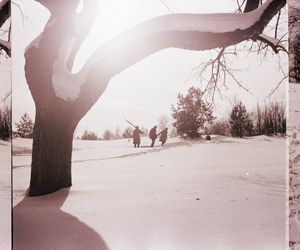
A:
(272, 42)
(164, 3)
(277, 23)
(277, 86)
(3, 100)
(240, 6)
(219, 69)
(5, 45)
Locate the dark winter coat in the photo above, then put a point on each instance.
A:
(137, 136)
(152, 133)
(163, 135)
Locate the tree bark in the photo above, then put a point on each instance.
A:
(56, 118)
(4, 11)
(251, 5)
(51, 153)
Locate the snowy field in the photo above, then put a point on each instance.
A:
(293, 131)
(220, 194)
(5, 196)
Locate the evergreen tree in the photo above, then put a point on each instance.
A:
(162, 122)
(24, 127)
(191, 113)
(240, 122)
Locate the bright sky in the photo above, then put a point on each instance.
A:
(146, 90)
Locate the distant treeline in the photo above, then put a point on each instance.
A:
(189, 121)
(162, 123)
(107, 135)
(269, 119)
(193, 115)
(24, 128)
(116, 134)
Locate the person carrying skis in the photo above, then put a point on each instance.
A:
(153, 135)
(137, 136)
(163, 136)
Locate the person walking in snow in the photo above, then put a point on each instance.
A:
(163, 136)
(153, 135)
(137, 136)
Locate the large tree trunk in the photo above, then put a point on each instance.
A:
(4, 11)
(4, 15)
(52, 152)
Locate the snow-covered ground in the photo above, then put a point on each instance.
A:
(5, 196)
(293, 131)
(220, 194)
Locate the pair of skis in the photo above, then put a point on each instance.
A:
(130, 123)
(134, 125)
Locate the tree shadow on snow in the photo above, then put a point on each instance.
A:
(39, 223)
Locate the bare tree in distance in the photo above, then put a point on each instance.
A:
(145, 130)
(117, 134)
(108, 135)
(219, 127)
(162, 122)
(127, 133)
(50, 58)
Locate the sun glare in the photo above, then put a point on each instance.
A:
(113, 18)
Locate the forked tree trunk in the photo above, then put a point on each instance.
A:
(52, 152)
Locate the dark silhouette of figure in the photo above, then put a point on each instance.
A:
(153, 135)
(137, 136)
(208, 137)
(163, 136)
